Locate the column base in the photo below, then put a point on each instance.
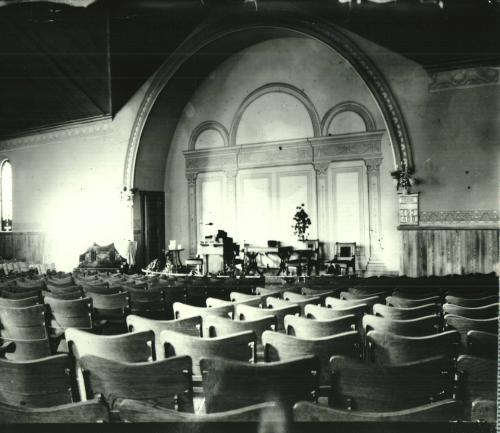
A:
(375, 267)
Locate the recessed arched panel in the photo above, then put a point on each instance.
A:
(347, 117)
(208, 135)
(272, 117)
(270, 105)
(346, 122)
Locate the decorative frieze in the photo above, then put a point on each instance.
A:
(460, 218)
(463, 78)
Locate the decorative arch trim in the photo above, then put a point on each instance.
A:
(323, 31)
(275, 88)
(355, 107)
(208, 125)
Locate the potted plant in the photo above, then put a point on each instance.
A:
(302, 223)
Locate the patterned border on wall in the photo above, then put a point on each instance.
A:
(459, 218)
(463, 78)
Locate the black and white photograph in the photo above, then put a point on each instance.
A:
(249, 215)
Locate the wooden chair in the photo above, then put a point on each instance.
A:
(137, 411)
(368, 292)
(75, 293)
(65, 314)
(416, 294)
(472, 302)
(484, 312)
(464, 325)
(299, 297)
(411, 328)
(19, 303)
(41, 382)
(102, 290)
(474, 293)
(442, 411)
(482, 344)
(148, 303)
(231, 384)
(26, 323)
(166, 382)
(14, 294)
(321, 292)
(484, 411)
(396, 301)
(243, 298)
(189, 326)
(348, 296)
(131, 347)
(25, 350)
(281, 347)
(112, 310)
(239, 347)
(273, 302)
(303, 327)
(371, 387)
(477, 379)
(182, 311)
(221, 326)
(391, 349)
(91, 411)
(215, 302)
(247, 312)
(344, 303)
(397, 313)
(322, 313)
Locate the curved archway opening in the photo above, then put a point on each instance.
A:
(172, 103)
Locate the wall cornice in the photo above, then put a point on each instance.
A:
(57, 133)
(342, 147)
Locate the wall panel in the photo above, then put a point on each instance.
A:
(442, 251)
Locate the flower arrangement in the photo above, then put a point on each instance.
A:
(302, 223)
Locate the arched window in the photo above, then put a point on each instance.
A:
(6, 195)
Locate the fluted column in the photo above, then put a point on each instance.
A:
(192, 221)
(375, 264)
(230, 216)
(322, 202)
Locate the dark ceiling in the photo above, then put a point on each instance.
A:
(60, 64)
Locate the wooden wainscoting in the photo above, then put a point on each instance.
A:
(443, 251)
(29, 246)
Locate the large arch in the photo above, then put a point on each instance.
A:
(230, 38)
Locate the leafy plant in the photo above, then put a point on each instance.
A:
(302, 223)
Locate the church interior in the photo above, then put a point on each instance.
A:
(257, 211)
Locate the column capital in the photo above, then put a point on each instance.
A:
(373, 164)
(321, 168)
(231, 173)
(191, 178)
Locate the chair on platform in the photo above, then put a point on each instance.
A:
(411, 328)
(303, 327)
(247, 312)
(166, 382)
(130, 347)
(483, 312)
(482, 344)
(239, 347)
(85, 412)
(472, 302)
(282, 347)
(396, 301)
(231, 384)
(397, 313)
(139, 412)
(442, 411)
(464, 325)
(477, 379)
(41, 382)
(345, 255)
(372, 387)
(392, 349)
